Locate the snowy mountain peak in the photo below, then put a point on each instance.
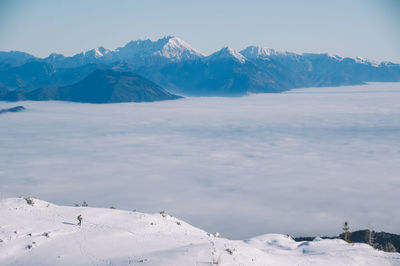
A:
(96, 52)
(227, 53)
(366, 61)
(101, 51)
(169, 47)
(258, 52)
(263, 53)
(335, 56)
(176, 48)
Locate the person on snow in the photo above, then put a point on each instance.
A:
(79, 219)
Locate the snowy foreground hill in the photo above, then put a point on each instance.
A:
(47, 234)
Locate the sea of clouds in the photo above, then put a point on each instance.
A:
(299, 163)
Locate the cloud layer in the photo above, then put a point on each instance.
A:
(299, 163)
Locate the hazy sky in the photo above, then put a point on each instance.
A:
(369, 28)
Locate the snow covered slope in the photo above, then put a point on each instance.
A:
(170, 47)
(227, 53)
(46, 234)
(253, 52)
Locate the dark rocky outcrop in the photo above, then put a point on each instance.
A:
(12, 109)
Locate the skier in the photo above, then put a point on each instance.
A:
(80, 219)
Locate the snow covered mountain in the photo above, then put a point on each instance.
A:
(227, 53)
(35, 232)
(253, 52)
(366, 61)
(257, 52)
(142, 52)
(170, 47)
(92, 56)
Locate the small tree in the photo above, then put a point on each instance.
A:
(371, 237)
(389, 247)
(346, 232)
(29, 201)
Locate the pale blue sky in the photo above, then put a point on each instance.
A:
(368, 28)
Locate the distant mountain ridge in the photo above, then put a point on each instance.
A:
(180, 68)
(101, 86)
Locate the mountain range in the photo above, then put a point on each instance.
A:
(179, 68)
